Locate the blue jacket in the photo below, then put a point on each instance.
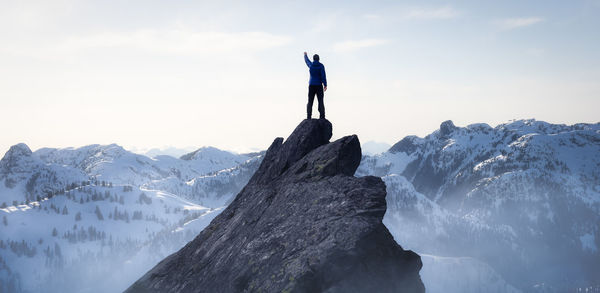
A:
(317, 72)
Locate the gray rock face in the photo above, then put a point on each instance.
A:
(446, 128)
(10, 160)
(302, 224)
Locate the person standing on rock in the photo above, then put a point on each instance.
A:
(316, 85)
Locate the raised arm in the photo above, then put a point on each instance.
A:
(308, 63)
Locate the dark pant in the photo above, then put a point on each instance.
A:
(312, 90)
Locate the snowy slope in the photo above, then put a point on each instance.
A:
(215, 189)
(94, 219)
(114, 232)
(523, 197)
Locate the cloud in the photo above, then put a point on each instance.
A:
(421, 13)
(372, 16)
(535, 52)
(408, 13)
(513, 23)
(325, 24)
(163, 41)
(180, 41)
(353, 45)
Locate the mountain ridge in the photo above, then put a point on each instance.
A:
(513, 194)
(416, 217)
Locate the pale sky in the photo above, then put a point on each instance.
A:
(231, 74)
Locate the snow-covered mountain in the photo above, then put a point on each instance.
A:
(115, 164)
(93, 219)
(505, 209)
(25, 177)
(523, 198)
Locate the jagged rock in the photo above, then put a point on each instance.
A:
(19, 149)
(10, 162)
(12, 156)
(447, 127)
(307, 136)
(302, 224)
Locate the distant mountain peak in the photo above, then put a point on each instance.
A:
(447, 127)
(15, 157)
(18, 150)
(203, 151)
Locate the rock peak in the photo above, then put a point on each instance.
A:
(302, 224)
(18, 150)
(446, 128)
(308, 135)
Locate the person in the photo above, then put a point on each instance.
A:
(317, 85)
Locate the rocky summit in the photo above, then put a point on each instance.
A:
(303, 223)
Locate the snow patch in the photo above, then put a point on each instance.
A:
(588, 242)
